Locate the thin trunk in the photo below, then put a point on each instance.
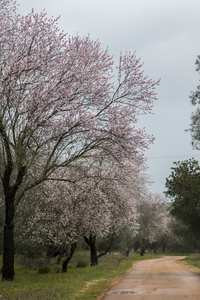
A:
(142, 251)
(127, 251)
(142, 246)
(164, 246)
(108, 248)
(60, 256)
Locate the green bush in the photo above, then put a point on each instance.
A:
(56, 269)
(81, 264)
(44, 270)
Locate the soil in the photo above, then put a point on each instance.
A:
(164, 278)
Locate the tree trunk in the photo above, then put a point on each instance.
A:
(8, 239)
(142, 251)
(93, 256)
(127, 251)
(93, 250)
(8, 242)
(164, 246)
(69, 257)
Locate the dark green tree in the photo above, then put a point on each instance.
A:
(195, 124)
(183, 187)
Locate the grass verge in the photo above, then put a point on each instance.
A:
(77, 284)
(193, 260)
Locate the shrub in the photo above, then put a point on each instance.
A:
(56, 269)
(81, 264)
(44, 270)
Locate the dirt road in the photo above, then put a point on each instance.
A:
(163, 278)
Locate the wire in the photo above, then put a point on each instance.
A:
(161, 157)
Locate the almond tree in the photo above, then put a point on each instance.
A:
(115, 209)
(98, 203)
(50, 220)
(152, 219)
(59, 100)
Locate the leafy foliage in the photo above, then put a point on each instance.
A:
(183, 187)
(195, 100)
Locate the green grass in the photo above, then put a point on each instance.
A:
(193, 260)
(78, 283)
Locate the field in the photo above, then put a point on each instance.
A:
(33, 283)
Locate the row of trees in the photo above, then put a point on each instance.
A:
(93, 207)
(71, 152)
(66, 125)
(183, 184)
(108, 211)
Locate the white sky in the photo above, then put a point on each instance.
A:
(165, 34)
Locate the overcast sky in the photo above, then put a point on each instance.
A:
(166, 35)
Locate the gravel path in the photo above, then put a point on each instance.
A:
(163, 278)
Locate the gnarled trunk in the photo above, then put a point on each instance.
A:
(93, 250)
(69, 257)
